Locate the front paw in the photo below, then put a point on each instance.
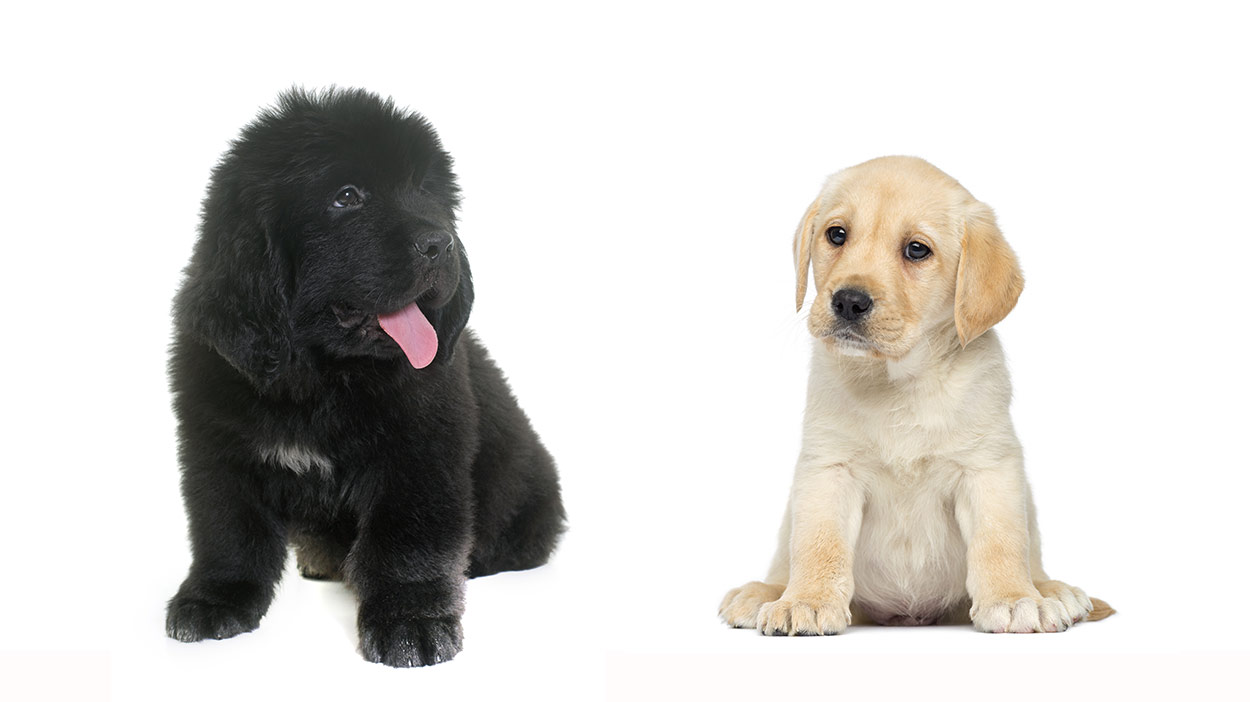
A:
(189, 619)
(1020, 615)
(741, 606)
(801, 616)
(408, 643)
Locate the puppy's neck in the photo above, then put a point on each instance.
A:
(934, 354)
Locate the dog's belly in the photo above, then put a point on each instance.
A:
(910, 566)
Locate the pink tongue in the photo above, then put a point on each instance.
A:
(412, 331)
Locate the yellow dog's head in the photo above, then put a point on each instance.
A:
(899, 250)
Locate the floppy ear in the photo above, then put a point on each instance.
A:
(989, 280)
(234, 295)
(803, 253)
(449, 320)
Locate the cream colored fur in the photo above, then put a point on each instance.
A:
(909, 503)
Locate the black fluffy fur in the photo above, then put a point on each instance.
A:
(301, 422)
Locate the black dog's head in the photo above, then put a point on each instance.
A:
(329, 231)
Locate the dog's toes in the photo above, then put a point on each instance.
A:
(409, 643)
(786, 617)
(189, 619)
(741, 605)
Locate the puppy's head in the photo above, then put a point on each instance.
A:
(898, 250)
(329, 229)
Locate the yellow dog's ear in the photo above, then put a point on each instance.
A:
(989, 280)
(803, 253)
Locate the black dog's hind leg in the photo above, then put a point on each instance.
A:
(529, 538)
(519, 516)
(238, 548)
(320, 555)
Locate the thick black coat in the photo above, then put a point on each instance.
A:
(301, 422)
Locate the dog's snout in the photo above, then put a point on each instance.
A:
(434, 244)
(851, 305)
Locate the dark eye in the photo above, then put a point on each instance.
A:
(348, 196)
(917, 251)
(836, 235)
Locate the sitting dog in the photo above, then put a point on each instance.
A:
(325, 394)
(909, 503)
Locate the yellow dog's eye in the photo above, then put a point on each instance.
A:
(836, 235)
(917, 251)
(348, 196)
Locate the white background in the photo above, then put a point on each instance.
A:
(632, 179)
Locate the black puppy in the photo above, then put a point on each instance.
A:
(326, 396)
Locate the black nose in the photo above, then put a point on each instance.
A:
(434, 244)
(851, 304)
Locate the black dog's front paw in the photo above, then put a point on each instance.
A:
(408, 643)
(189, 619)
(205, 609)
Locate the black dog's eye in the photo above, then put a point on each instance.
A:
(836, 235)
(917, 251)
(348, 196)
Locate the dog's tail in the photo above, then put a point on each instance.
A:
(1101, 610)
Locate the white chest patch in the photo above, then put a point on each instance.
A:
(296, 458)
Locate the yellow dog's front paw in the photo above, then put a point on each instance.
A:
(741, 606)
(803, 617)
(1022, 615)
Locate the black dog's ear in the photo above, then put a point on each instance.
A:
(234, 294)
(449, 320)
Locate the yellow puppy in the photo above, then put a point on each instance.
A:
(909, 503)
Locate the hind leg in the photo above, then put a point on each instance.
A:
(1078, 605)
(319, 557)
(740, 607)
(526, 542)
(1075, 601)
(518, 514)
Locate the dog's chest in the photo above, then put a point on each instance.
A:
(905, 432)
(298, 457)
(300, 440)
(910, 561)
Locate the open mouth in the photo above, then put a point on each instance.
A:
(408, 327)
